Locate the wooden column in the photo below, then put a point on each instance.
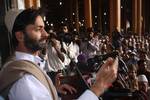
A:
(38, 3)
(29, 3)
(139, 17)
(88, 13)
(115, 15)
(144, 16)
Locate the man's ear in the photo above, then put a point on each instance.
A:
(19, 36)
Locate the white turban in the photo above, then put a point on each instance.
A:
(142, 78)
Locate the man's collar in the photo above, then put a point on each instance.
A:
(29, 57)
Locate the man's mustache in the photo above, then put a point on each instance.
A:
(44, 38)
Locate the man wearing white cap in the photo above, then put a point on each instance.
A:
(143, 85)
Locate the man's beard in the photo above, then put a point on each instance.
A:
(34, 45)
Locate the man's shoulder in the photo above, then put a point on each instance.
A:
(27, 87)
(28, 80)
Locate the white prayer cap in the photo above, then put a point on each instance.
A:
(129, 51)
(10, 18)
(142, 78)
(133, 53)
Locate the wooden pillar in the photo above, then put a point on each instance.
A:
(29, 3)
(88, 13)
(38, 3)
(115, 15)
(139, 17)
(144, 16)
(32, 3)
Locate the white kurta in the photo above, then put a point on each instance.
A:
(30, 88)
(53, 63)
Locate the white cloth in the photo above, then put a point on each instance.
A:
(88, 95)
(36, 59)
(88, 49)
(30, 88)
(72, 50)
(142, 78)
(53, 63)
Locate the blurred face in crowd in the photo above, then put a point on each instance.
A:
(143, 56)
(132, 74)
(132, 71)
(35, 35)
(143, 65)
(143, 86)
(65, 29)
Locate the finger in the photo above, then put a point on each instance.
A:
(108, 62)
(74, 90)
(111, 77)
(113, 68)
(115, 64)
(112, 65)
(108, 71)
(63, 92)
(70, 88)
(106, 65)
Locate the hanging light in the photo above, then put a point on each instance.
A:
(74, 29)
(52, 24)
(47, 22)
(44, 18)
(105, 13)
(66, 19)
(60, 3)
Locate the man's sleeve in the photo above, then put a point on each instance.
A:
(29, 88)
(88, 95)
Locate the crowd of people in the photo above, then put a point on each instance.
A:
(133, 53)
(42, 59)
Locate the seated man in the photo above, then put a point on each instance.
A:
(143, 85)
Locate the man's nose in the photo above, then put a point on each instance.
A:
(45, 34)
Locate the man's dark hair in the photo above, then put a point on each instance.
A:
(25, 18)
(62, 26)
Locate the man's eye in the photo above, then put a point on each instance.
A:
(38, 29)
